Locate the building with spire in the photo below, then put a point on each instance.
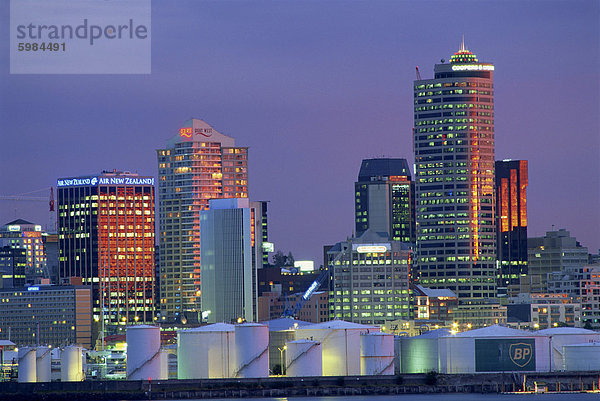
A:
(197, 164)
(454, 173)
(384, 199)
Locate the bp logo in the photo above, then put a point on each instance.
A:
(521, 353)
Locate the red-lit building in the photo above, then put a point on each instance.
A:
(106, 237)
(511, 225)
(197, 164)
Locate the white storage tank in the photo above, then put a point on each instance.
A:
(71, 364)
(281, 331)
(143, 353)
(303, 358)
(419, 354)
(43, 364)
(558, 337)
(206, 352)
(493, 349)
(582, 357)
(27, 365)
(376, 354)
(251, 350)
(340, 342)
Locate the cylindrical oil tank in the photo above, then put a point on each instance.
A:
(419, 354)
(340, 342)
(164, 365)
(252, 350)
(376, 354)
(303, 358)
(27, 365)
(397, 360)
(582, 357)
(143, 352)
(71, 365)
(43, 364)
(206, 352)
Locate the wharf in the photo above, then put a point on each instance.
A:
(298, 387)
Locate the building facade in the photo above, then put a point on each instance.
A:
(435, 305)
(197, 164)
(511, 226)
(454, 173)
(47, 315)
(106, 237)
(229, 247)
(544, 311)
(370, 279)
(556, 252)
(272, 305)
(384, 199)
(25, 235)
(12, 266)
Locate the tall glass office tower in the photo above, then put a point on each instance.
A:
(198, 164)
(454, 169)
(511, 225)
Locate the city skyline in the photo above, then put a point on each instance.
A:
(312, 95)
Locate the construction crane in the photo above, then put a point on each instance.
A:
(293, 311)
(26, 197)
(418, 74)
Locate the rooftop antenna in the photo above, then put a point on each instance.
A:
(462, 44)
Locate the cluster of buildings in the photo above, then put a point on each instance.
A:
(443, 244)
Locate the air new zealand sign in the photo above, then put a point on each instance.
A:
(517, 354)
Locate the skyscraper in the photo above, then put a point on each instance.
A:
(384, 199)
(106, 237)
(511, 225)
(229, 260)
(198, 164)
(454, 158)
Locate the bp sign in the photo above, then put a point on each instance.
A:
(505, 355)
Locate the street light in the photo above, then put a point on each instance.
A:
(281, 358)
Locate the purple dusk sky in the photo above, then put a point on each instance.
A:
(312, 88)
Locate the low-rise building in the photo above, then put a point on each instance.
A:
(271, 305)
(434, 304)
(480, 314)
(46, 315)
(543, 311)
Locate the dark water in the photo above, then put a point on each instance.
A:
(435, 397)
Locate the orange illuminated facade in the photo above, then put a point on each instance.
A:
(198, 164)
(454, 174)
(106, 237)
(511, 225)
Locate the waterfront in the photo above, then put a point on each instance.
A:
(438, 397)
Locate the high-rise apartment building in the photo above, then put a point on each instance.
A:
(106, 237)
(384, 199)
(511, 226)
(454, 173)
(197, 164)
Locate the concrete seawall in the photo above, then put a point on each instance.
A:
(295, 387)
